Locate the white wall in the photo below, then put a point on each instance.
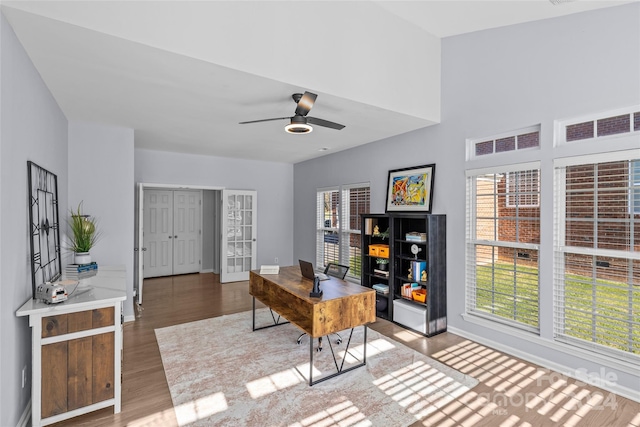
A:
(495, 81)
(101, 177)
(32, 127)
(272, 181)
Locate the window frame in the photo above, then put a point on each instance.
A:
(562, 250)
(473, 242)
(343, 231)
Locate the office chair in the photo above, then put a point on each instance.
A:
(335, 270)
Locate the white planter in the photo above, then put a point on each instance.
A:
(82, 258)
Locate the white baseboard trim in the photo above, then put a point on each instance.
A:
(25, 419)
(545, 363)
(130, 318)
(208, 270)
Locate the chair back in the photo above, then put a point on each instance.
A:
(336, 270)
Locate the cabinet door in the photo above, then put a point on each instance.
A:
(77, 373)
(54, 379)
(103, 367)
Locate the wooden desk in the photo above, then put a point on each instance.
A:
(343, 305)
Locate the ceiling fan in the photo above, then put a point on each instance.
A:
(300, 122)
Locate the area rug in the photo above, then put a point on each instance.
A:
(220, 373)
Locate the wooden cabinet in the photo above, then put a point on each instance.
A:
(77, 350)
(412, 238)
(78, 372)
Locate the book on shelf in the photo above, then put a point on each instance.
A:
(379, 287)
(408, 288)
(414, 236)
(418, 271)
(384, 273)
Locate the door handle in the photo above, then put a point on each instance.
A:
(171, 237)
(144, 249)
(175, 237)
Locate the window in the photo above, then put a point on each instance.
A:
(597, 254)
(503, 236)
(338, 229)
(622, 122)
(523, 139)
(634, 187)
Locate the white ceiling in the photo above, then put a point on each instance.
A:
(183, 74)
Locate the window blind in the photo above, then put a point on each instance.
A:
(597, 255)
(503, 236)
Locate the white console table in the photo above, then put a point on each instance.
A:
(77, 349)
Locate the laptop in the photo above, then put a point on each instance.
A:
(306, 268)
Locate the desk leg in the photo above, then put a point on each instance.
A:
(339, 369)
(310, 361)
(276, 322)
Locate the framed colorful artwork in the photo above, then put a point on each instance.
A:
(411, 189)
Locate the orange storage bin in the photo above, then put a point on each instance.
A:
(419, 295)
(381, 251)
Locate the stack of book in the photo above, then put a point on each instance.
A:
(379, 272)
(382, 288)
(81, 271)
(414, 236)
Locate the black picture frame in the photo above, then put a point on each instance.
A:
(44, 226)
(411, 189)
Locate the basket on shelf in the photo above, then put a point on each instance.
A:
(419, 295)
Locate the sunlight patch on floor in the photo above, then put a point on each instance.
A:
(555, 396)
(407, 336)
(201, 408)
(344, 414)
(274, 382)
(160, 419)
(420, 388)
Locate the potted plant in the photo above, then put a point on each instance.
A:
(382, 263)
(85, 235)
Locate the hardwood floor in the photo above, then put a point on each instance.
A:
(511, 392)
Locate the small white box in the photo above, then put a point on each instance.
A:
(410, 315)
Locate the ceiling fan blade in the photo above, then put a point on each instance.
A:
(265, 120)
(325, 123)
(306, 103)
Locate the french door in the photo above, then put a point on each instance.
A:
(238, 235)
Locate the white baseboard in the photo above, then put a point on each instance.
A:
(545, 363)
(130, 318)
(208, 270)
(25, 419)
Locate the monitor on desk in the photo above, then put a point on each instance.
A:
(306, 268)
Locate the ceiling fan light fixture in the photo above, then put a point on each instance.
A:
(298, 128)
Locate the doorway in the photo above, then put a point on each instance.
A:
(235, 208)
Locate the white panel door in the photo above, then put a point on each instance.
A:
(186, 231)
(239, 211)
(158, 233)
